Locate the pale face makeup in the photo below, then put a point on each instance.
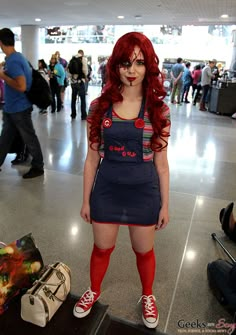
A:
(133, 71)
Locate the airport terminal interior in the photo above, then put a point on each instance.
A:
(202, 160)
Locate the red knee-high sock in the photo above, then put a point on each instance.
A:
(99, 262)
(146, 264)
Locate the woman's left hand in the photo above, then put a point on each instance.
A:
(163, 219)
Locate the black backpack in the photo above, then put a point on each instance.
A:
(39, 93)
(75, 67)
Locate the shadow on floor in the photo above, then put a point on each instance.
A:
(64, 323)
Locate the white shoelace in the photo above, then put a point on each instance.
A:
(149, 305)
(87, 298)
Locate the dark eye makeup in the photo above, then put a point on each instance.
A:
(140, 62)
(127, 64)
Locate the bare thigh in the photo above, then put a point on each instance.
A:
(142, 238)
(105, 235)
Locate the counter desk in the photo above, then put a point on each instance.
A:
(223, 99)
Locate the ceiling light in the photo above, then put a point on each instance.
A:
(76, 3)
(138, 17)
(120, 17)
(37, 19)
(224, 16)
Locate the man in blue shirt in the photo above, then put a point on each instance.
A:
(177, 81)
(17, 76)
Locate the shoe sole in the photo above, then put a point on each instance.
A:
(81, 315)
(34, 176)
(150, 325)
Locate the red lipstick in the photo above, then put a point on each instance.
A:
(131, 78)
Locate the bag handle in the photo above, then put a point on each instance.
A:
(62, 282)
(59, 274)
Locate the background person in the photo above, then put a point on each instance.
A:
(17, 76)
(196, 86)
(56, 80)
(43, 70)
(103, 72)
(89, 77)
(128, 126)
(78, 78)
(64, 63)
(187, 82)
(1, 91)
(206, 78)
(177, 80)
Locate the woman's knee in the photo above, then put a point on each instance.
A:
(105, 235)
(102, 252)
(142, 238)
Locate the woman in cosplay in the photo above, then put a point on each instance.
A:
(126, 173)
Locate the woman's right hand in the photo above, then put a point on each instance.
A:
(85, 213)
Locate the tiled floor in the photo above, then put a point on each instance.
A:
(202, 157)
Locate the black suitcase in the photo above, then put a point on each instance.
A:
(222, 279)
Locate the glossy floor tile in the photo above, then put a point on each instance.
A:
(202, 157)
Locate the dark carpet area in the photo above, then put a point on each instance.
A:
(98, 322)
(115, 326)
(62, 323)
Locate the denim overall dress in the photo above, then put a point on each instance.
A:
(126, 189)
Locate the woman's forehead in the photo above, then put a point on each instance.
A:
(133, 54)
(137, 53)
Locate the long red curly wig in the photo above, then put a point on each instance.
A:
(153, 90)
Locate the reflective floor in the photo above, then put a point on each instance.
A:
(202, 157)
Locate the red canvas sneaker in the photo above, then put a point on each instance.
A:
(150, 315)
(83, 306)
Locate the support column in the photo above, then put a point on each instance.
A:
(30, 43)
(233, 59)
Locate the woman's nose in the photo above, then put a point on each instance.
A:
(131, 68)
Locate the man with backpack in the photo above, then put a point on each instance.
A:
(17, 76)
(78, 69)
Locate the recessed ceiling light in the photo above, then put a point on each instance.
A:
(138, 17)
(224, 16)
(76, 3)
(37, 20)
(120, 17)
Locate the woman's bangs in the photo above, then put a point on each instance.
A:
(126, 52)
